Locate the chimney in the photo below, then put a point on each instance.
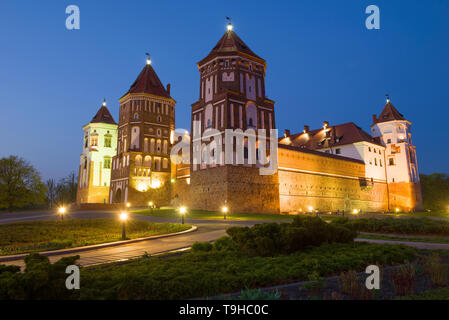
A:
(168, 88)
(306, 129)
(374, 118)
(286, 133)
(325, 124)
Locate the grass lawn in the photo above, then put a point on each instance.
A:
(25, 237)
(213, 215)
(422, 214)
(203, 274)
(435, 239)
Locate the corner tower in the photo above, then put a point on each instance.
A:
(402, 172)
(231, 96)
(141, 170)
(100, 145)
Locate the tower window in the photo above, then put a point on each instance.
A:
(107, 141)
(250, 122)
(136, 116)
(226, 63)
(107, 163)
(388, 140)
(94, 141)
(338, 151)
(251, 67)
(209, 123)
(159, 119)
(391, 161)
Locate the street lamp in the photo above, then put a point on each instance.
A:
(128, 205)
(225, 210)
(151, 204)
(397, 209)
(123, 218)
(182, 211)
(62, 211)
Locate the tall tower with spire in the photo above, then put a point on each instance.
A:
(231, 96)
(394, 132)
(100, 145)
(141, 169)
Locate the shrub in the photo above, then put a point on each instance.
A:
(224, 244)
(270, 239)
(404, 280)
(436, 270)
(202, 246)
(41, 279)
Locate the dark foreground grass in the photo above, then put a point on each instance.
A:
(203, 274)
(25, 237)
(213, 215)
(433, 294)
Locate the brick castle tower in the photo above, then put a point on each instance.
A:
(231, 96)
(394, 131)
(141, 170)
(100, 145)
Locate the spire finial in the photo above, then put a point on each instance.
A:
(104, 102)
(388, 98)
(148, 58)
(229, 27)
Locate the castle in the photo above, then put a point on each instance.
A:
(333, 168)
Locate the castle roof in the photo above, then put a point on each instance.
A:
(148, 82)
(338, 135)
(230, 43)
(389, 113)
(103, 116)
(319, 153)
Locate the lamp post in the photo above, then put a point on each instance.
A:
(151, 204)
(182, 211)
(128, 205)
(225, 210)
(62, 211)
(123, 218)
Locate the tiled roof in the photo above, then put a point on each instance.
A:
(389, 113)
(338, 135)
(103, 116)
(231, 43)
(148, 82)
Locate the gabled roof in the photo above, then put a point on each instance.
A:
(103, 116)
(230, 43)
(389, 113)
(148, 82)
(338, 135)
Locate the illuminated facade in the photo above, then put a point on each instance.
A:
(141, 169)
(99, 147)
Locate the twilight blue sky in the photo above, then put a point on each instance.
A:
(323, 64)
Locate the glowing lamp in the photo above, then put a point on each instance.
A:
(128, 204)
(182, 210)
(224, 209)
(355, 211)
(123, 216)
(155, 184)
(62, 210)
(150, 203)
(310, 208)
(229, 27)
(397, 210)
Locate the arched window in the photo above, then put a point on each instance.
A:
(136, 116)
(138, 161)
(147, 162)
(145, 145)
(165, 147)
(208, 116)
(159, 119)
(152, 146)
(251, 115)
(158, 146)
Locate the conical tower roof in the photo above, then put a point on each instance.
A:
(389, 113)
(148, 82)
(231, 43)
(103, 116)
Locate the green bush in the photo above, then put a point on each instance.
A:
(41, 279)
(270, 239)
(202, 246)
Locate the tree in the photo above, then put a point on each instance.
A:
(66, 189)
(435, 191)
(51, 192)
(20, 183)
